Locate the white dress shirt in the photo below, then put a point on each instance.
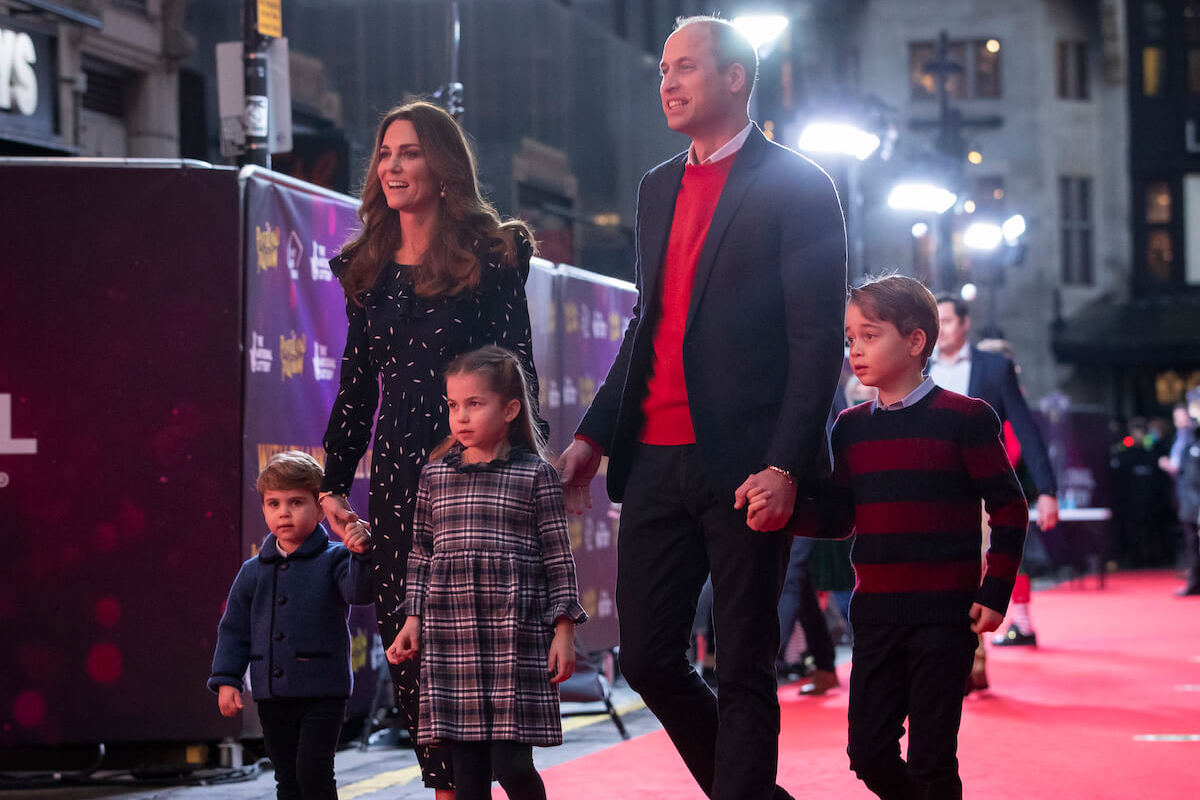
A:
(727, 149)
(952, 374)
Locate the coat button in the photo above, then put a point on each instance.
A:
(277, 673)
(284, 566)
(278, 637)
(282, 600)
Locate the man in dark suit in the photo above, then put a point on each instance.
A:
(722, 383)
(991, 377)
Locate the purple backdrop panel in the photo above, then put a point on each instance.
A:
(542, 292)
(295, 333)
(593, 313)
(120, 394)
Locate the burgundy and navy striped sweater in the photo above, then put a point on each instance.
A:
(908, 483)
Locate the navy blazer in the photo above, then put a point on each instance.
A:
(286, 619)
(993, 379)
(762, 343)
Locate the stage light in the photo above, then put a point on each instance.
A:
(921, 197)
(761, 29)
(838, 137)
(1013, 228)
(919, 229)
(982, 236)
(968, 292)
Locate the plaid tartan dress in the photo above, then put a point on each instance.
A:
(489, 573)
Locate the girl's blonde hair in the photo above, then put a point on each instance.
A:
(504, 375)
(467, 225)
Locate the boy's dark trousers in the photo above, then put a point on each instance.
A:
(914, 671)
(301, 736)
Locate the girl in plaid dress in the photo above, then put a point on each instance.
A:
(492, 600)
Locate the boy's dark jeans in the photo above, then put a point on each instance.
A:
(914, 671)
(301, 736)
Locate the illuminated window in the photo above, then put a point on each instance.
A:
(1154, 66)
(978, 77)
(1158, 203)
(1160, 255)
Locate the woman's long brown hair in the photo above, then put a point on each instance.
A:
(502, 370)
(467, 225)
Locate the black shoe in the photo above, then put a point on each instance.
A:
(1014, 638)
(1191, 590)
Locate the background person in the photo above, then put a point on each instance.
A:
(432, 274)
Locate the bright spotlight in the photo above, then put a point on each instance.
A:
(1013, 228)
(968, 292)
(982, 236)
(761, 29)
(921, 197)
(919, 229)
(838, 137)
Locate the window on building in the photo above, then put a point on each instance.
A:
(1160, 256)
(1158, 203)
(978, 75)
(1154, 67)
(1071, 70)
(1075, 224)
(107, 87)
(132, 6)
(1153, 20)
(1191, 228)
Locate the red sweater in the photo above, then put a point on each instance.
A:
(668, 418)
(908, 483)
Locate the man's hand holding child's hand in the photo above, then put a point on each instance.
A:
(229, 700)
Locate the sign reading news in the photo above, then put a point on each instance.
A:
(28, 79)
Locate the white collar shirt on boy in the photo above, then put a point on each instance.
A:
(912, 398)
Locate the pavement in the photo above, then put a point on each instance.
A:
(381, 772)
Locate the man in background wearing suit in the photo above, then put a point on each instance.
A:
(722, 383)
(964, 368)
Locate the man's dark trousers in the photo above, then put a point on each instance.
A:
(674, 530)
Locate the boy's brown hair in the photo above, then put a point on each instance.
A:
(291, 470)
(902, 301)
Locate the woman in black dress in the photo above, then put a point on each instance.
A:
(432, 273)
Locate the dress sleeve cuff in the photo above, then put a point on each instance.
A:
(572, 611)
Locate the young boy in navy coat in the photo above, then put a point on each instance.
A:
(286, 619)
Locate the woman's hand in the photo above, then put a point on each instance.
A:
(338, 513)
(407, 642)
(561, 661)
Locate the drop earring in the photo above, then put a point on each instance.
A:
(443, 188)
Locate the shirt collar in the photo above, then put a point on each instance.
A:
(912, 398)
(725, 150)
(962, 356)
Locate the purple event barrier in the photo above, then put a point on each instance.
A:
(153, 366)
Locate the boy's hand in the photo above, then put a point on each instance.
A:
(561, 661)
(985, 620)
(407, 642)
(777, 496)
(358, 537)
(229, 700)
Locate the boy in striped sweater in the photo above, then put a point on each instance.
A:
(910, 470)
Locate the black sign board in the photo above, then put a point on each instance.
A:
(29, 86)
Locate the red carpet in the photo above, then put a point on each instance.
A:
(1059, 722)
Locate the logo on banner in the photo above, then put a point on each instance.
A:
(323, 365)
(570, 394)
(261, 356)
(266, 242)
(295, 253)
(8, 445)
(292, 350)
(319, 263)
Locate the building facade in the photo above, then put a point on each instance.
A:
(91, 77)
(1041, 88)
